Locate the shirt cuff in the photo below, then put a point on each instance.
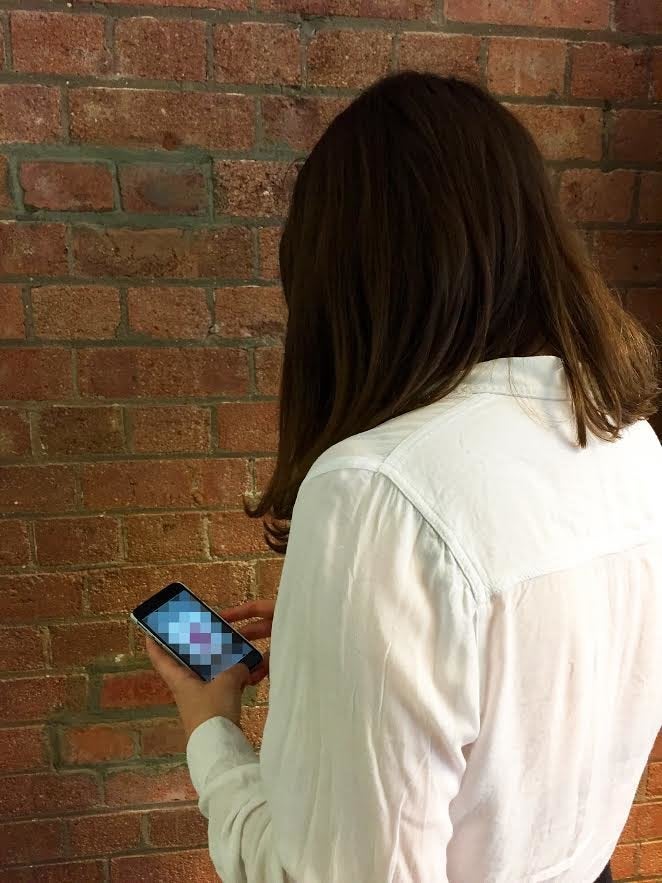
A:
(216, 744)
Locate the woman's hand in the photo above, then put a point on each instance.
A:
(198, 701)
(262, 614)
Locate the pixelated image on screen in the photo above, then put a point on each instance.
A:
(194, 633)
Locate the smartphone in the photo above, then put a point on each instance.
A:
(191, 632)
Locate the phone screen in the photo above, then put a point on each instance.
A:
(196, 634)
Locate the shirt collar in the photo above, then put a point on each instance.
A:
(538, 377)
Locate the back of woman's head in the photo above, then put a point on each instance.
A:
(423, 237)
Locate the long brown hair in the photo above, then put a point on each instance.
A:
(423, 237)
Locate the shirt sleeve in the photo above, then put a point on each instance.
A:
(374, 695)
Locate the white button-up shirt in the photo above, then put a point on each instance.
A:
(466, 670)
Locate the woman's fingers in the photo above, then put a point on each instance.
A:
(174, 673)
(262, 671)
(254, 630)
(263, 609)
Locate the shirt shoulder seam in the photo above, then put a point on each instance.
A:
(477, 585)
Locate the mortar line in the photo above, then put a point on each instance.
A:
(15, 187)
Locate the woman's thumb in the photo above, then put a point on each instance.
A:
(238, 676)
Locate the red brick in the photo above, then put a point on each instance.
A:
(221, 252)
(161, 738)
(623, 860)
(97, 743)
(248, 426)
(166, 483)
(158, 254)
(172, 537)
(585, 14)
(14, 433)
(23, 748)
(650, 857)
(656, 753)
(36, 488)
(523, 66)
(106, 833)
(177, 827)
(58, 43)
(637, 136)
(178, 428)
(35, 374)
(268, 363)
(444, 54)
(191, 865)
(250, 311)
(645, 822)
(640, 793)
(219, 584)
(69, 872)
(298, 122)
(563, 133)
(161, 49)
(150, 785)
(252, 52)
(36, 597)
(268, 577)
(12, 323)
(136, 689)
(136, 373)
(347, 58)
(40, 697)
(603, 70)
(29, 113)
(155, 118)
(234, 533)
(650, 198)
(6, 199)
(654, 780)
(638, 16)
(77, 540)
(67, 186)
(264, 469)
(656, 75)
(163, 189)
(33, 841)
(48, 793)
(67, 431)
(629, 255)
(253, 719)
(268, 241)
(70, 312)
(234, 5)
(179, 313)
(83, 643)
(251, 188)
(405, 9)
(28, 249)
(21, 649)
(594, 195)
(14, 544)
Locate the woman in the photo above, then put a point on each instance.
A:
(469, 623)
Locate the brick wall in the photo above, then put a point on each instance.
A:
(145, 157)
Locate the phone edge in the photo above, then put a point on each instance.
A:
(172, 653)
(162, 643)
